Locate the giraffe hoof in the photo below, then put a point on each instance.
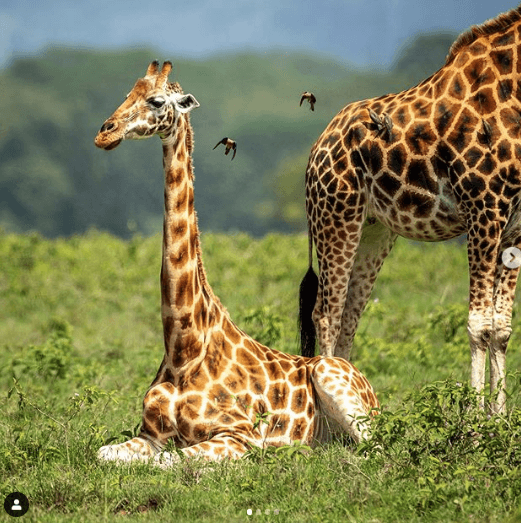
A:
(165, 460)
(116, 453)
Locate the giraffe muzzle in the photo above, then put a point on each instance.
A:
(107, 137)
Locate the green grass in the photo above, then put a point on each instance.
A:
(81, 339)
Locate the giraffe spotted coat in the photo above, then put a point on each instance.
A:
(429, 163)
(215, 381)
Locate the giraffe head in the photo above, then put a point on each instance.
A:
(152, 107)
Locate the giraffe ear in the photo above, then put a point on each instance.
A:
(184, 103)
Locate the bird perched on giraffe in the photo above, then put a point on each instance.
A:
(383, 125)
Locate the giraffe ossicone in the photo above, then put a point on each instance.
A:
(214, 379)
(430, 163)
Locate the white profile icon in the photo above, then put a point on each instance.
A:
(16, 505)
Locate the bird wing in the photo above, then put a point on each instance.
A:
(223, 141)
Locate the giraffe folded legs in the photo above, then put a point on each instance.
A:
(215, 449)
(139, 448)
(344, 396)
(340, 400)
(158, 425)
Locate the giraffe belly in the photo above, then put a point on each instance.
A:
(422, 215)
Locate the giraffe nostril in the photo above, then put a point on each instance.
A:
(107, 126)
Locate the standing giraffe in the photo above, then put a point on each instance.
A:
(215, 381)
(430, 163)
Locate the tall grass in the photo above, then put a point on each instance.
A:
(81, 341)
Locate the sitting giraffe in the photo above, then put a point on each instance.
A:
(215, 380)
(430, 163)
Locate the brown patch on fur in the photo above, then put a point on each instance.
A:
(231, 331)
(184, 292)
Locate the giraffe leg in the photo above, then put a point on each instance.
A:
(375, 244)
(504, 294)
(335, 258)
(321, 322)
(327, 314)
(215, 449)
(483, 255)
(139, 448)
(157, 427)
(344, 396)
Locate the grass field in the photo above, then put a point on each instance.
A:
(81, 341)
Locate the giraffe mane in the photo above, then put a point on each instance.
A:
(190, 145)
(176, 87)
(202, 274)
(492, 26)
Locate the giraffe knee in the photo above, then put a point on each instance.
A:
(479, 331)
(157, 418)
(501, 338)
(502, 332)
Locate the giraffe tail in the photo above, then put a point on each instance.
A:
(307, 299)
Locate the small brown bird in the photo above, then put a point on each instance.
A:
(377, 121)
(383, 127)
(230, 144)
(310, 97)
(487, 133)
(388, 124)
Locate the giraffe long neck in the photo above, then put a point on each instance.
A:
(186, 299)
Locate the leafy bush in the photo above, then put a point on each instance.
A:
(441, 441)
(264, 325)
(51, 360)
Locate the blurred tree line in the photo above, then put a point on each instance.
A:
(54, 180)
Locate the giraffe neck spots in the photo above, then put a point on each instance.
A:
(191, 313)
(185, 308)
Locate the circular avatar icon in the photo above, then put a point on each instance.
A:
(16, 504)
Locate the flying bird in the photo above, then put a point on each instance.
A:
(310, 97)
(230, 144)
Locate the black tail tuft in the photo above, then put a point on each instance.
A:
(308, 297)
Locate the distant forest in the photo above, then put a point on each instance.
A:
(53, 179)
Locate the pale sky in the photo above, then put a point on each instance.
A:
(365, 32)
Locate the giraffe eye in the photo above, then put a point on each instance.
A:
(156, 102)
